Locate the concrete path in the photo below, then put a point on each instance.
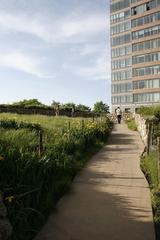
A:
(109, 199)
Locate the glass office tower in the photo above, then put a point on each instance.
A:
(135, 52)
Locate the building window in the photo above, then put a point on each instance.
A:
(121, 88)
(146, 19)
(146, 97)
(122, 99)
(146, 58)
(121, 51)
(121, 39)
(146, 45)
(120, 5)
(122, 75)
(145, 7)
(121, 63)
(151, 70)
(119, 28)
(146, 32)
(122, 16)
(150, 83)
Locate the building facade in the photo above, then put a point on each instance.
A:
(135, 53)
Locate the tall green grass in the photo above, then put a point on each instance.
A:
(32, 184)
(131, 125)
(48, 122)
(150, 167)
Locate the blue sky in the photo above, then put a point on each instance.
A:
(55, 50)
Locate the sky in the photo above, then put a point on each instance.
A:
(55, 50)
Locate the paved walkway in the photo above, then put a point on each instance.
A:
(109, 199)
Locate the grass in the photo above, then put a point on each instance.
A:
(149, 112)
(131, 124)
(149, 165)
(48, 122)
(36, 182)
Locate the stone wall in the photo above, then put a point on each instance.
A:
(142, 127)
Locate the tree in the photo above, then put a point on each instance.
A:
(68, 106)
(55, 104)
(28, 102)
(82, 108)
(100, 107)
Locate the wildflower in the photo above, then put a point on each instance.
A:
(10, 199)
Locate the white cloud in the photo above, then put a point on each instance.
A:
(100, 68)
(73, 28)
(60, 30)
(89, 25)
(10, 23)
(90, 49)
(21, 62)
(86, 50)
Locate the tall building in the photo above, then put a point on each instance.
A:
(135, 52)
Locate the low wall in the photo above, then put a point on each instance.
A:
(142, 127)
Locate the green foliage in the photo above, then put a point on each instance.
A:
(100, 107)
(149, 165)
(131, 124)
(13, 124)
(82, 108)
(149, 111)
(69, 106)
(32, 184)
(29, 102)
(152, 114)
(55, 104)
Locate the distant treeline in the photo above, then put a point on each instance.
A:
(43, 110)
(33, 106)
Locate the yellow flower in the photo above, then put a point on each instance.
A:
(10, 199)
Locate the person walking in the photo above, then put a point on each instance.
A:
(119, 114)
